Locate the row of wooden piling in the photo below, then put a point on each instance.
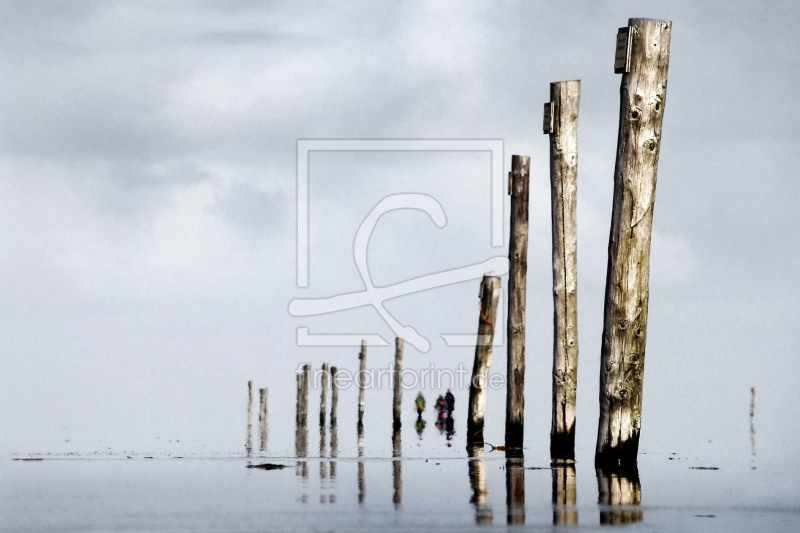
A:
(619, 491)
(643, 59)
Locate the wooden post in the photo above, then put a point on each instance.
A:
(518, 260)
(564, 495)
(334, 426)
(334, 396)
(752, 421)
(619, 487)
(362, 368)
(642, 96)
(262, 418)
(398, 382)
(323, 401)
(564, 100)
(489, 295)
(299, 403)
(249, 445)
(301, 433)
(515, 489)
(306, 381)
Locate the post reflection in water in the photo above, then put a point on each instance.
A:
(361, 483)
(564, 494)
(515, 487)
(397, 468)
(619, 492)
(479, 484)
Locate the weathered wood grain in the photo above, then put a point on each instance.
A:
(397, 398)
(565, 97)
(643, 94)
(490, 295)
(515, 327)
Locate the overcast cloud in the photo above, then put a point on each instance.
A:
(148, 187)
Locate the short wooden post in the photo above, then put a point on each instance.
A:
(362, 369)
(619, 487)
(489, 296)
(323, 401)
(398, 382)
(298, 417)
(301, 433)
(564, 495)
(334, 396)
(262, 418)
(642, 96)
(564, 101)
(249, 445)
(518, 262)
(306, 381)
(753, 421)
(515, 490)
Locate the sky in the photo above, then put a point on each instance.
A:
(148, 192)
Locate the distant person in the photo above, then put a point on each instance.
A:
(441, 407)
(451, 402)
(420, 403)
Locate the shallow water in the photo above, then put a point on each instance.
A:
(446, 493)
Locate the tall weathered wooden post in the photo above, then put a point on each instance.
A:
(397, 407)
(561, 123)
(489, 296)
(362, 369)
(518, 262)
(643, 58)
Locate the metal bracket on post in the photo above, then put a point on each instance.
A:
(547, 119)
(622, 57)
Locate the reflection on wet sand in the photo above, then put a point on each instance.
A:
(619, 491)
(515, 488)
(361, 483)
(479, 484)
(564, 495)
(397, 468)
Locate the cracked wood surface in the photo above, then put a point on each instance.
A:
(642, 98)
(565, 96)
(515, 329)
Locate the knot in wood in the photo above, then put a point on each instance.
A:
(651, 145)
(635, 114)
(623, 323)
(638, 330)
